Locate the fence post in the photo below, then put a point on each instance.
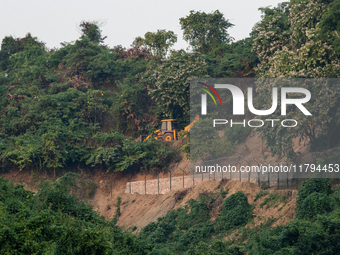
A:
(258, 173)
(158, 183)
(145, 183)
(170, 180)
(130, 182)
(193, 178)
(268, 180)
(183, 178)
(297, 183)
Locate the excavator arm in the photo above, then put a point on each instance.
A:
(187, 128)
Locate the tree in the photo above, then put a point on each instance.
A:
(10, 46)
(289, 44)
(205, 31)
(90, 29)
(270, 35)
(232, 60)
(169, 83)
(158, 43)
(330, 26)
(202, 136)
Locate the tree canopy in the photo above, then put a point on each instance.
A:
(205, 31)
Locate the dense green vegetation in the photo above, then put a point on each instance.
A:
(300, 40)
(313, 231)
(83, 105)
(69, 106)
(76, 105)
(53, 222)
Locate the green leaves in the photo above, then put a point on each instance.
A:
(126, 154)
(205, 142)
(314, 229)
(91, 30)
(169, 83)
(54, 222)
(291, 42)
(205, 31)
(235, 211)
(158, 43)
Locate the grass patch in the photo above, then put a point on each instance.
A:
(280, 208)
(261, 194)
(272, 199)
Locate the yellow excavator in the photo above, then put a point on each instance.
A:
(168, 131)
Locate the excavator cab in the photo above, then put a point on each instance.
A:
(168, 131)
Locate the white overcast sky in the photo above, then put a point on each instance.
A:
(54, 22)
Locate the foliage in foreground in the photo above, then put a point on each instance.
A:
(190, 230)
(53, 222)
(314, 230)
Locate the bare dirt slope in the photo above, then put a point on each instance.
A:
(139, 210)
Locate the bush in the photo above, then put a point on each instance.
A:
(272, 199)
(299, 237)
(236, 211)
(310, 186)
(53, 222)
(316, 203)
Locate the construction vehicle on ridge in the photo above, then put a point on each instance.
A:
(168, 131)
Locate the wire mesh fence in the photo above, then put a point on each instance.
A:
(267, 173)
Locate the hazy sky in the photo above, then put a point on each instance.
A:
(54, 22)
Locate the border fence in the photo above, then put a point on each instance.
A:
(181, 175)
(267, 173)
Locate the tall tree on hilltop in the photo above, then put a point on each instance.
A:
(158, 43)
(90, 29)
(205, 31)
